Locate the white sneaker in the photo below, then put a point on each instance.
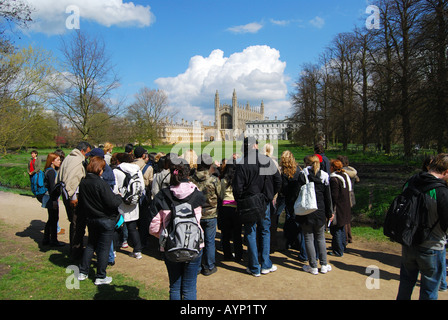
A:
(250, 272)
(82, 277)
(325, 268)
(266, 271)
(106, 280)
(307, 268)
(136, 255)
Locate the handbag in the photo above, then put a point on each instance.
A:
(306, 202)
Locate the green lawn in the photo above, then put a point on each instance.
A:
(29, 274)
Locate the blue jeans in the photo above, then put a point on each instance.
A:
(208, 258)
(183, 278)
(111, 252)
(338, 242)
(293, 233)
(101, 232)
(250, 230)
(417, 260)
(443, 284)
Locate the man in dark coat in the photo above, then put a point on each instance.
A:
(257, 174)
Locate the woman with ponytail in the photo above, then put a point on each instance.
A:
(313, 224)
(341, 186)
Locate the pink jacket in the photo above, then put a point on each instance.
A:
(163, 217)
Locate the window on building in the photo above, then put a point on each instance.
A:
(226, 121)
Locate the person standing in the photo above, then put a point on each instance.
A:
(293, 233)
(71, 172)
(313, 224)
(33, 164)
(130, 212)
(182, 275)
(108, 149)
(51, 227)
(340, 186)
(229, 220)
(324, 161)
(353, 174)
(100, 205)
(426, 258)
(211, 188)
(142, 160)
(257, 174)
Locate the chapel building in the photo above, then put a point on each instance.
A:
(230, 120)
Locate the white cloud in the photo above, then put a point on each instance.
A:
(280, 22)
(317, 22)
(50, 15)
(253, 27)
(256, 73)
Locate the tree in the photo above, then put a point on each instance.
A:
(345, 74)
(306, 105)
(402, 23)
(83, 87)
(23, 92)
(16, 12)
(433, 35)
(146, 114)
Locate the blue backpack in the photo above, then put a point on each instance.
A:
(37, 185)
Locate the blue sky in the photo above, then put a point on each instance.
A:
(191, 48)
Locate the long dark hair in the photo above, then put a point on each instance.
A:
(180, 172)
(229, 173)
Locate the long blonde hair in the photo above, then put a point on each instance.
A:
(312, 161)
(288, 164)
(108, 147)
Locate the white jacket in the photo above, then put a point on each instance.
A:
(129, 212)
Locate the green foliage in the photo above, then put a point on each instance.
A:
(372, 203)
(14, 177)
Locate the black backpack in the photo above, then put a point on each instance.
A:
(407, 220)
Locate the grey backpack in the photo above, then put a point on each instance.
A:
(183, 236)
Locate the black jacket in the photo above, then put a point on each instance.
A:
(323, 196)
(97, 199)
(424, 182)
(254, 174)
(290, 188)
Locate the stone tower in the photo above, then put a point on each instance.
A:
(234, 111)
(230, 120)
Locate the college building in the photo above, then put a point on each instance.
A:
(232, 122)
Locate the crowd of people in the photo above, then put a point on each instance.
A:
(92, 183)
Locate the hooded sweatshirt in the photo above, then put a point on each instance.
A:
(162, 219)
(438, 190)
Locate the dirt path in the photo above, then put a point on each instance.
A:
(347, 280)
